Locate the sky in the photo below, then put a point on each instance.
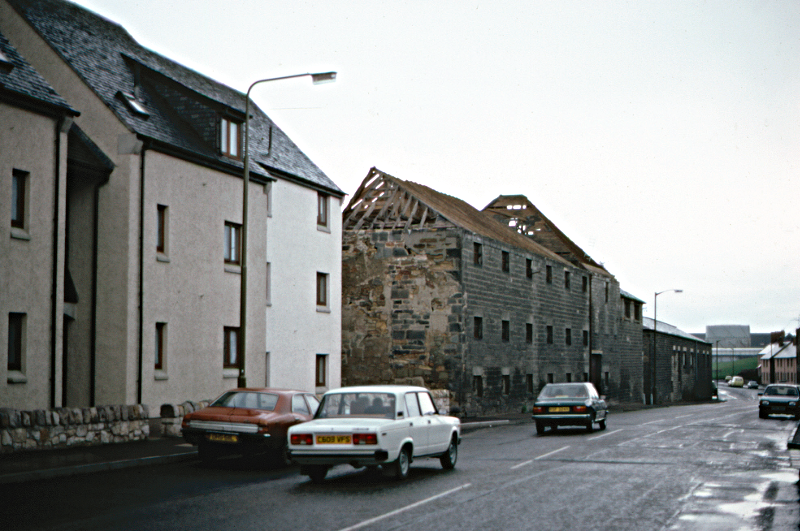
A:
(662, 137)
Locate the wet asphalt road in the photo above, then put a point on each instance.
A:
(696, 467)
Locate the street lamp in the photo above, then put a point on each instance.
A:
(655, 338)
(323, 77)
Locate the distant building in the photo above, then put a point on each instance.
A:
(778, 363)
(728, 336)
(682, 367)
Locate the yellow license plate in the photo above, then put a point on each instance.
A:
(223, 437)
(333, 439)
(559, 410)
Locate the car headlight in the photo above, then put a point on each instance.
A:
(792, 403)
(765, 402)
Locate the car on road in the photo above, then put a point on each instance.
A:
(248, 421)
(752, 384)
(388, 426)
(569, 404)
(779, 399)
(736, 381)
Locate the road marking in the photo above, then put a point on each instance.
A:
(550, 453)
(520, 465)
(406, 508)
(603, 435)
(653, 422)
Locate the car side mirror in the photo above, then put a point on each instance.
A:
(760, 393)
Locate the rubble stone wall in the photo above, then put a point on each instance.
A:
(43, 429)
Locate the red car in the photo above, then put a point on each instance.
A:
(248, 421)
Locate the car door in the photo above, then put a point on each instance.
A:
(438, 427)
(418, 425)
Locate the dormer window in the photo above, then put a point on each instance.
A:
(230, 138)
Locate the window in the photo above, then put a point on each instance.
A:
(161, 229)
(549, 274)
(627, 309)
(566, 279)
(529, 268)
(229, 138)
(161, 337)
(549, 334)
(529, 383)
(585, 338)
(505, 330)
(568, 336)
(321, 373)
(506, 384)
(585, 284)
(232, 244)
(16, 328)
(569, 377)
(322, 289)
(606, 291)
(19, 184)
(477, 328)
(426, 405)
(322, 210)
(477, 255)
(477, 385)
(637, 311)
(299, 405)
(505, 259)
(549, 377)
(412, 404)
(529, 332)
(231, 348)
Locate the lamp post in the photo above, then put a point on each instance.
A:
(655, 337)
(324, 77)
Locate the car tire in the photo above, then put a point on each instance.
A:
(449, 458)
(602, 424)
(762, 415)
(282, 455)
(589, 424)
(317, 473)
(403, 463)
(540, 428)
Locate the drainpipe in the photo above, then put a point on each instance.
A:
(95, 256)
(140, 355)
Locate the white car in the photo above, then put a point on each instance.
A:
(387, 425)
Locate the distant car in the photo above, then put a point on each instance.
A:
(779, 399)
(752, 384)
(728, 378)
(569, 404)
(736, 381)
(386, 425)
(247, 421)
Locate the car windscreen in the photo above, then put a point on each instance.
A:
(251, 400)
(781, 391)
(563, 391)
(339, 405)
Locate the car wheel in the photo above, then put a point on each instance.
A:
(602, 424)
(449, 458)
(589, 424)
(762, 414)
(540, 428)
(317, 473)
(402, 464)
(282, 454)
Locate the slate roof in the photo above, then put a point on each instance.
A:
(779, 351)
(627, 295)
(182, 105)
(665, 328)
(19, 80)
(452, 209)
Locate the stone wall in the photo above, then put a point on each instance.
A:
(67, 427)
(172, 415)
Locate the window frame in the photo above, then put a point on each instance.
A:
(229, 362)
(16, 342)
(549, 330)
(20, 182)
(322, 290)
(505, 330)
(529, 333)
(477, 253)
(477, 327)
(161, 229)
(505, 261)
(323, 211)
(548, 275)
(321, 370)
(232, 228)
(161, 344)
(226, 127)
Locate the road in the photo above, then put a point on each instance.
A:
(709, 466)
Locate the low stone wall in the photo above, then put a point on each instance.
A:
(43, 429)
(172, 415)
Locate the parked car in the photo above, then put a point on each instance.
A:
(736, 381)
(569, 404)
(752, 384)
(387, 426)
(781, 399)
(248, 421)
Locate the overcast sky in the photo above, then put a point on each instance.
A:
(661, 137)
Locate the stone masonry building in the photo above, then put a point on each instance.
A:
(439, 293)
